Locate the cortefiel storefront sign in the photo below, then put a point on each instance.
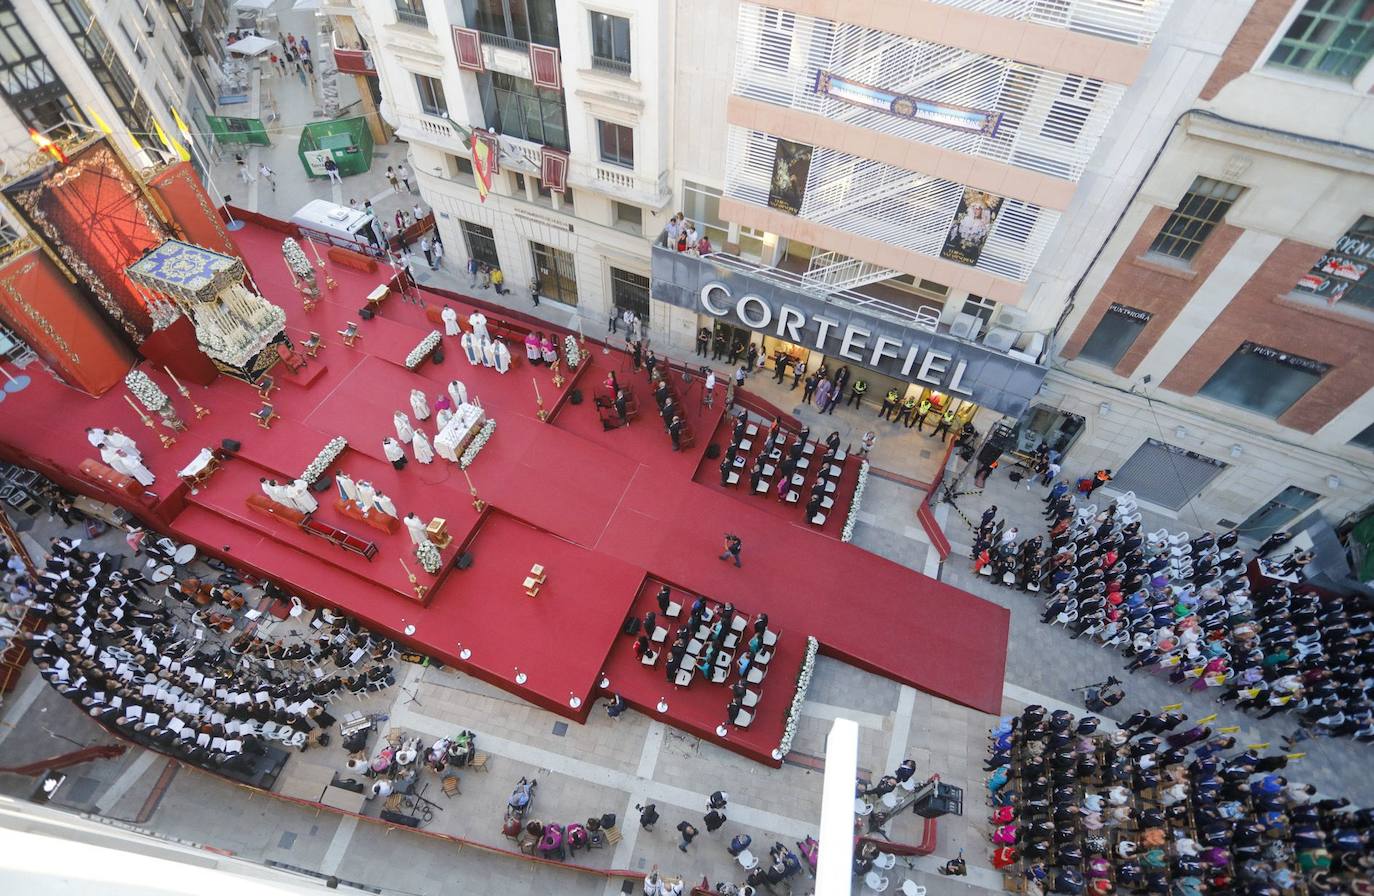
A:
(846, 332)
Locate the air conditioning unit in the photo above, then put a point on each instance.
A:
(1001, 339)
(966, 326)
(1012, 318)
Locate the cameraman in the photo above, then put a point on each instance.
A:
(733, 546)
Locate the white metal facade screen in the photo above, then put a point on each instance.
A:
(1051, 121)
(1129, 21)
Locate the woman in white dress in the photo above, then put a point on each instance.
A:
(419, 404)
(404, 431)
(423, 452)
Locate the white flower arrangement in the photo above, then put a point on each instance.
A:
(327, 456)
(296, 260)
(853, 518)
(428, 555)
(571, 352)
(422, 351)
(475, 444)
(146, 391)
(789, 728)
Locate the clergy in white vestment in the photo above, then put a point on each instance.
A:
(502, 357)
(394, 452)
(121, 462)
(420, 445)
(442, 418)
(488, 353)
(367, 497)
(96, 436)
(385, 505)
(116, 439)
(450, 318)
(478, 321)
(348, 491)
(419, 404)
(404, 431)
(458, 392)
(298, 494)
(472, 348)
(416, 527)
(272, 490)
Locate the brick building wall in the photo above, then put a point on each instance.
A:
(1251, 38)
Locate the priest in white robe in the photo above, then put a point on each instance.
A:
(471, 348)
(478, 321)
(458, 393)
(420, 445)
(122, 463)
(116, 439)
(416, 527)
(404, 431)
(96, 436)
(488, 353)
(450, 318)
(298, 494)
(502, 358)
(273, 491)
(394, 452)
(367, 497)
(419, 405)
(348, 491)
(442, 418)
(385, 505)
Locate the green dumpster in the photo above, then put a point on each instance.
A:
(347, 141)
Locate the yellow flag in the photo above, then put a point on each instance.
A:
(1205, 719)
(1229, 729)
(181, 126)
(1172, 707)
(171, 144)
(99, 122)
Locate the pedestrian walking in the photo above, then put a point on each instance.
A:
(244, 174)
(392, 179)
(268, 175)
(427, 251)
(714, 820)
(688, 832)
(709, 396)
(437, 249)
(867, 442)
(733, 546)
(648, 816)
(615, 320)
(472, 272)
(403, 172)
(798, 371)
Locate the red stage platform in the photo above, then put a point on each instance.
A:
(608, 513)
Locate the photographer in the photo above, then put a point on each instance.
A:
(733, 546)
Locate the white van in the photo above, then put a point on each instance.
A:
(345, 226)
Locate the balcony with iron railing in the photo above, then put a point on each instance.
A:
(353, 60)
(1132, 22)
(412, 12)
(611, 66)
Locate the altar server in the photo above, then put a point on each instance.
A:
(450, 317)
(367, 497)
(404, 431)
(419, 404)
(385, 505)
(478, 321)
(416, 527)
(348, 491)
(420, 445)
(394, 452)
(128, 465)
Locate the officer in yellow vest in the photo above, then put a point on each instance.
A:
(908, 411)
(921, 414)
(856, 393)
(889, 406)
(946, 421)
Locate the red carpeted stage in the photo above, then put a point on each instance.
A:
(609, 514)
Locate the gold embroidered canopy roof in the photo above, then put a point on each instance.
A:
(190, 273)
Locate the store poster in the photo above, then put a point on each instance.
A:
(791, 165)
(972, 224)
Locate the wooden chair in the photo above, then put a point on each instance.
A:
(612, 834)
(264, 415)
(349, 333)
(291, 359)
(479, 762)
(451, 787)
(312, 345)
(265, 386)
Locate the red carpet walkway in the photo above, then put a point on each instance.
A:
(607, 512)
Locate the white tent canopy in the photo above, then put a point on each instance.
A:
(251, 46)
(255, 4)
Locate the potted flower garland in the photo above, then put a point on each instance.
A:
(428, 555)
(299, 265)
(789, 728)
(572, 353)
(475, 444)
(853, 517)
(327, 456)
(420, 352)
(146, 391)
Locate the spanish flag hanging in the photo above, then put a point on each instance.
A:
(481, 166)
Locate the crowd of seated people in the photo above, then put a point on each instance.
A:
(790, 459)
(714, 641)
(1185, 607)
(149, 667)
(1160, 807)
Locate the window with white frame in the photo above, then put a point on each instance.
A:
(610, 43)
(617, 143)
(1328, 37)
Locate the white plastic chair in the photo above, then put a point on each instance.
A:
(884, 861)
(875, 882)
(297, 608)
(911, 888)
(747, 860)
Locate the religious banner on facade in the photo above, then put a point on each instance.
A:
(467, 45)
(544, 69)
(483, 155)
(787, 187)
(553, 169)
(972, 223)
(945, 115)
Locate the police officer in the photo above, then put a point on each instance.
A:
(856, 393)
(908, 411)
(946, 421)
(921, 414)
(889, 406)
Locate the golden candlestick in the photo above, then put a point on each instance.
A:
(186, 393)
(167, 441)
(557, 377)
(330, 282)
(477, 503)
(542, 414)
(414, 582)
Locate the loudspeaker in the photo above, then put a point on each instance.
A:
(464, 560)
(575, 396)
(409, 821)
(712, 451)
(231, 445)
(437, 358)
(322, 484)
(365, 313)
